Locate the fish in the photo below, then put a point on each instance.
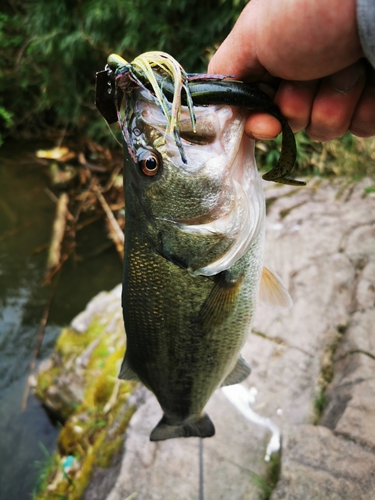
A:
(199, 90)
(194, 230)
(252, 98)
(193, 264)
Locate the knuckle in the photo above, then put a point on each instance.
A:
(362, 129)
(324, 133)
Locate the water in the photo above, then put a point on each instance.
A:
(27, 212)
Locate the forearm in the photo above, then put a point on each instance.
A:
(366, 27)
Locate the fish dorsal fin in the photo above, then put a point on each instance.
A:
(239, 373)
(273, 291)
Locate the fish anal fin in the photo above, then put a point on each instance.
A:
(273, 291)
(219, 303)
(200, 427)
(126, 373)
(239, 373)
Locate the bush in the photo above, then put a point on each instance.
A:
(51, 49)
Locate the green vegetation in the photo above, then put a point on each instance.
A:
(326, 373)
(96, 416)
(45, 467)
(51, 49)
(347, 156)
(267, 484)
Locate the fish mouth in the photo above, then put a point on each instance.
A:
(233, 170)
(223, 154)
(240, 211)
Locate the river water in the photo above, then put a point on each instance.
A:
(26, 216)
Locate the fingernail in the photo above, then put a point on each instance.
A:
(345, 80)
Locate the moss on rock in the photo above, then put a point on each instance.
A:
(80, 383)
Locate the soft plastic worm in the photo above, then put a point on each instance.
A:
(180, 88)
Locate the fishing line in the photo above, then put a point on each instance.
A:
(111, 131)
(201, 469)
(40, 336)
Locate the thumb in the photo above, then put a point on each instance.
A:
(237, 55)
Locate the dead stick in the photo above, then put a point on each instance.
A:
(39, 340)
(115, 225)
(119, 244)
(49, 275)
(58, 232)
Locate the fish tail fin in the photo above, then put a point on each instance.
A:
(200, 427)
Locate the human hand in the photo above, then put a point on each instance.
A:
(309, 54)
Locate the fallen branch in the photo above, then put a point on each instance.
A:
(114, 228)
(39, 340)
(58, 231)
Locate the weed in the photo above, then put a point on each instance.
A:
(45, 468)
(348, 156)
(267, 484)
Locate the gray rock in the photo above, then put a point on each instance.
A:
(317, 465)
(66, 375)
(350, 408)
(104, 302)
(170, 469)
(321, 240)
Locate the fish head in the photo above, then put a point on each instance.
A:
(212, 191)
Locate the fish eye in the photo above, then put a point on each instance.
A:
(150, 164)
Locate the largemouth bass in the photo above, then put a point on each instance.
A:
(194, 231)
(193, 259)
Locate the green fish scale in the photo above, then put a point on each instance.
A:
(179, 357)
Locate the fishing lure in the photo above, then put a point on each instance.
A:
(172, 87)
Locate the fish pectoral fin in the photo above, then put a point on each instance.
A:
(201, 427)
(126, 373)
(239, 373)
(219, 303)
(273, 291)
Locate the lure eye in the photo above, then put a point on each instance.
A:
(150, 165)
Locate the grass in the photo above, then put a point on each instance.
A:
(326, 373)
(347, 156)
(267, 485)
(93, 438)
(45, 468)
